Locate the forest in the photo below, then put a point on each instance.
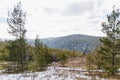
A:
(19, 57)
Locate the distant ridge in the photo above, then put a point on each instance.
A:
(78, 42)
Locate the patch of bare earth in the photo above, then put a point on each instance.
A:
(77, 62)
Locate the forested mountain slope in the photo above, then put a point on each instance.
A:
(82, 43)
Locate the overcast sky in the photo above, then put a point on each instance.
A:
(55, 18)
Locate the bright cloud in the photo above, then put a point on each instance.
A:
(54, 18)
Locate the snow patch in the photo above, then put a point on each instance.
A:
(52, 73)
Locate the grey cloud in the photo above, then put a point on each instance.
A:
(92, 16)
(77, 29)
(63, 30)
(94, 21)
(78, 8)
(51, 10)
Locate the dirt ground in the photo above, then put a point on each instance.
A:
(77, 62)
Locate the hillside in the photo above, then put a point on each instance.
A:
(82, 43)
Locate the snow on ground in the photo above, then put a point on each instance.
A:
(52, 73)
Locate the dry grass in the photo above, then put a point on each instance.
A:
(2, 63)
(78, 62)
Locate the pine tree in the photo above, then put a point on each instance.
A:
(16, 21)
(63, 59)
(13, 51)
(48, 57)
(39, 57)
(111, 47)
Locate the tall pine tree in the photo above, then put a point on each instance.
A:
(111, 44)
(42, 56)
(16, 21)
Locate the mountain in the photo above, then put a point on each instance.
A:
(82, 43)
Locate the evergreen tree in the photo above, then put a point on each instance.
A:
(111, 47)
(63, 59)
(48, 57)
(16, 21)
(41, 54)
(13, 51)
